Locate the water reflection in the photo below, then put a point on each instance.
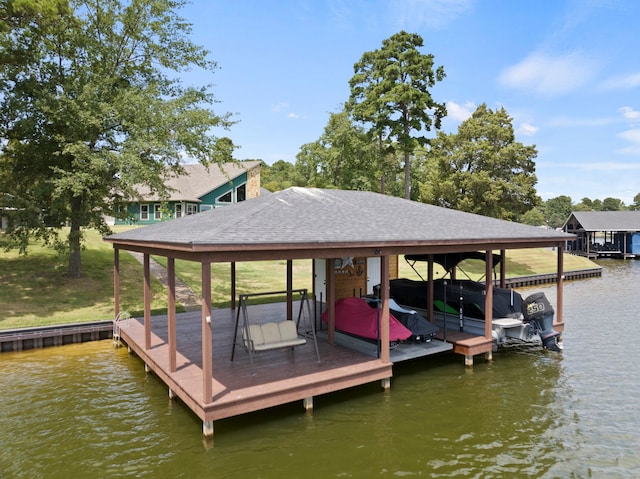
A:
(91, 411)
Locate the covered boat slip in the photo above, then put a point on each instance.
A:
(193, 357)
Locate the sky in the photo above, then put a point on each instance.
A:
(566, 71)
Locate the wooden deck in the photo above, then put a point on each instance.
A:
(281, 376)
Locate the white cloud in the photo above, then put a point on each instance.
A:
(566, 121)
(548, 75)
(629, 113)
(460, 112)
(608, 166)
(277, 107)
(527, 129)
(293, 115)
(412, 14)
(622, 82)
(632, 136)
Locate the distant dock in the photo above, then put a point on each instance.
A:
(13, 340)
(536, 279)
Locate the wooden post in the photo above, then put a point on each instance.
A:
(488, 300)
(331, 301)
(207, 337)
(207, 429)
(431, 316)
(171, 312)
(289, 289)
(147, 302)
(116, 281)
(503, 268)
(384, 312)
(307, 403)
(233, 286)
(560, 285)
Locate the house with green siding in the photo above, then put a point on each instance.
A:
(198, 189)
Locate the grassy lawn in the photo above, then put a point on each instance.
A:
(35, 291)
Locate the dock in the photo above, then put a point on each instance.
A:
(280, 376)
(13, 340)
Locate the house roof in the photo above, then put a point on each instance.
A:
(198, 180)
(607, 220)
(308, 222)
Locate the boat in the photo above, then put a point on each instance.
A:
(459, 304)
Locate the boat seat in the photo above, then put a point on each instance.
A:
(507, 322)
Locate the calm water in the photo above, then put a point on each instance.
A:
(90, 411)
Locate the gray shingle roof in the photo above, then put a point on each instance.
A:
(198, 180)
(608, 220)
(321, 217)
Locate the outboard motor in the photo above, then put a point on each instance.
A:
(539, 313)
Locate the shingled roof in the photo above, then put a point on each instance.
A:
(606, 220)
(198, 180)
(310, 219)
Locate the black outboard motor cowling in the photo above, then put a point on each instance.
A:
(539, 313)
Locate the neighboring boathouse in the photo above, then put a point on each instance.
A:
(195, 354)
(613, 234)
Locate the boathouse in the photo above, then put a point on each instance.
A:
(196, 356)
(604, 234)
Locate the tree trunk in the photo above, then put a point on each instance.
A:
(407, 176)
(75, 261)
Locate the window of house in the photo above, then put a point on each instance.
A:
(157, 211)
(192, 209)
(178, 210)
(205, 208)
(241, 193)
(226, 198)
(144, 212)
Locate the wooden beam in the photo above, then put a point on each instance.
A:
(147, 301)
(560, 284)
(431, 316)
(171, 312)
(207, 336)
(233, 285)
(116, 281)
(331, 301)
(488, 300)
(503, 268)
(384, 313)
(289, 289)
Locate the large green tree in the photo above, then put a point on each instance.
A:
(391, 93)
(557, 210)
(343, 157)
(482, 168)
(91, 103)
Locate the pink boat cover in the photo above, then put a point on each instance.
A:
(355, 316)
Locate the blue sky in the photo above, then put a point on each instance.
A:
(566, 71)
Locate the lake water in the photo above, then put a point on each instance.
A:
(89, 411)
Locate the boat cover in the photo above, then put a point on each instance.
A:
(355, 316)
(507, 303)
(421, 329)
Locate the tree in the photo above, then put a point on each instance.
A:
(612, 204)
(343, 157)
(533, 217)
(279, 176)
(390, 91)
(88, 109)
(635, 206)
(482, 169)
(557, 210)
